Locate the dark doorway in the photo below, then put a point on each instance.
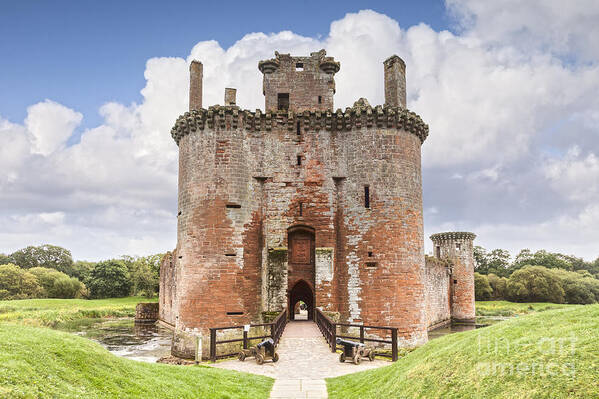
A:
(301, 293)
(301, 279)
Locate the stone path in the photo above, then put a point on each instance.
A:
(305, 361)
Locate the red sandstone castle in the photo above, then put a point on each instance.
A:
(302, 202)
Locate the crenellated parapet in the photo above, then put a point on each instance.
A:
(453, 235)
(356, 117)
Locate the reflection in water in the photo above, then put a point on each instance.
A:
(481, 321)
(144, 342)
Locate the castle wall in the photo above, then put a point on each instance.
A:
(168, 289)
(240, 190)
(458, 247)
(438, 301)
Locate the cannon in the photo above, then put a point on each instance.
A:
(354, 351)
(265, 350)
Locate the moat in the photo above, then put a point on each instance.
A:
(150, 342)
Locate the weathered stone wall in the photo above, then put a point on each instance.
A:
(146, 312)
(438, 306)
(308, 81)
(168, 289)
(458, 247)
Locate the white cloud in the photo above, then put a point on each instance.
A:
(50, 125)
(575, 176)
(498, 99)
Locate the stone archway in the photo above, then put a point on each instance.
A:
(301, 291)
(301, 270)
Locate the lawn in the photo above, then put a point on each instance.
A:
(505, 308)
(549, 354)
(44, 363)
(53, 312)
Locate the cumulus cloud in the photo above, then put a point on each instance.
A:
(505, 97)
(50, 125)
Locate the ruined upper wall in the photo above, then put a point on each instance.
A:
(299, 83)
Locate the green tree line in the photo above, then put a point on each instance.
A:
(541, 276)
(49, 271)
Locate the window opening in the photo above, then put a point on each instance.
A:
(366, 197)
(283, 101)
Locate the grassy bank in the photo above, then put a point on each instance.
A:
(52, 312)
(551, 354)
(505, 308)
(39, 362)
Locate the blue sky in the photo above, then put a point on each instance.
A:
(86, 53)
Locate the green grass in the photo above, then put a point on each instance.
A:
(505, 308)
(44, 363)
(552, 354)
(54, 312)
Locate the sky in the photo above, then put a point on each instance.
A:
(90, 90)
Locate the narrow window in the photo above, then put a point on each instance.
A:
(235, 206)
(299, 66)
(299, 160)
(319, 99)
(458, 246)
(283, 103)
(298, 129)
(231, 254)
(179, 214)
(455, 281)
(234, 313)
(438, 252)
(301, 208)
(370, 254)
(366, 197)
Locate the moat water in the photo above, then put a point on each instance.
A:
(122, 337)
(150, 342)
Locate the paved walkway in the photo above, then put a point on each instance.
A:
(305, 360)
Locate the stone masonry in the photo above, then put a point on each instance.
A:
(300, 202)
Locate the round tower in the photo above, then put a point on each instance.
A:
(457, 247)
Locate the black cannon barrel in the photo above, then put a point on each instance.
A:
(348, 343)
(267, 344)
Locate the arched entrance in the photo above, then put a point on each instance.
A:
(301, 292)
(301, 276)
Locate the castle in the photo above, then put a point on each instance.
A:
(304, 203)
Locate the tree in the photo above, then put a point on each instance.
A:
(5, 259)
(498, 284)
(109, 279)
(49, 256)
(498, 262)
(16, 283)
(145, 275)
(57, 284)
(482, 289)
(480, 260)
(82, 269)
(535, 284)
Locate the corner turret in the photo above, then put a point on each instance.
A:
(458, 248)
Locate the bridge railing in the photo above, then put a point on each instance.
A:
(276, 330)
(328, 328)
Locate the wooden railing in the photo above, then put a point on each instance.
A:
(328, 328)
(276, 330)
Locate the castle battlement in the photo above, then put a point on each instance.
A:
(356, 117)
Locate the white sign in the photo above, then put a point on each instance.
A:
(246, 328)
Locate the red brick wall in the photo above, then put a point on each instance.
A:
(249, 162)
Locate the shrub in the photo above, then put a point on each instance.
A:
(109, 279)
(535, 284)
(16, 283)
(56, 284)
(498, 284)
(482, 288)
